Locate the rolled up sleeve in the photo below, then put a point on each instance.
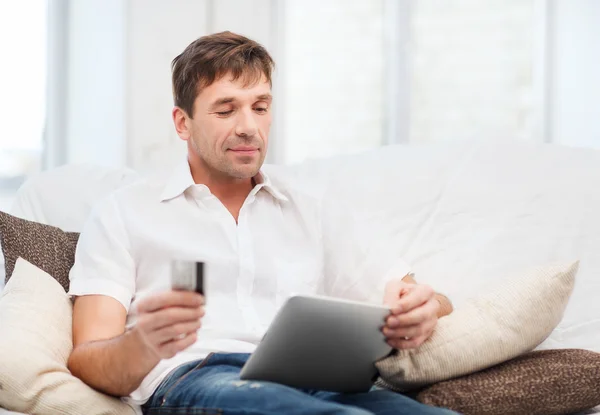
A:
(103, 261)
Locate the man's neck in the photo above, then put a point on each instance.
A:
(231, 192)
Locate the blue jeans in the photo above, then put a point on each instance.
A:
(213, 386)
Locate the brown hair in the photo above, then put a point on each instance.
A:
(209, 58)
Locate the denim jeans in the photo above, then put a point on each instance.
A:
(213, 386)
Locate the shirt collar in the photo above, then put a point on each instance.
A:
(264, 182)
(181, 179)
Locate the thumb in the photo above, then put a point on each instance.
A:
(392, 292)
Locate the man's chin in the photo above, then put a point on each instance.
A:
(244, 172)
(243, 167)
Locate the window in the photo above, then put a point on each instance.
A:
(472, 70)
(360, 74)
(23, 86)
(333, 81)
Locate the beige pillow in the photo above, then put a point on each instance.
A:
(510, 319)
(35, 343)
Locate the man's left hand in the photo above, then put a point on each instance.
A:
(414, 314)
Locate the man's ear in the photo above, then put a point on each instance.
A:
(182, 126)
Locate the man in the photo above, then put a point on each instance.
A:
(135, 337)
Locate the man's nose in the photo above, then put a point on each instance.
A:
(246, 124)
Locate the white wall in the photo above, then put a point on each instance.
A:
(96, 112)
(472, 70)
(334, 78)
(157, 31)
(119, 90)
(575, 74)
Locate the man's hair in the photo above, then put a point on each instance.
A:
(209, 58)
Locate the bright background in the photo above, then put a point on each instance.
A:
(89, 80)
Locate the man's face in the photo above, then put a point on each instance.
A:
(230, 128)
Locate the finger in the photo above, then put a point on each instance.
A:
(170, 299)
(174, 331)
(419, 335)
(393, 289)
(407, 344)
(415, 297)
(396, 305)
(404, 332)
(416, 316)
(169, 349)
(424, 329)
(172, 315)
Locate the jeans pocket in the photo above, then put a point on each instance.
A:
(178, 381)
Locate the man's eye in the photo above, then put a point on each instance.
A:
(225, 113)
(261, 110)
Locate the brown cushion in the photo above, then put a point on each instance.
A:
(544, 382)
(45, 246)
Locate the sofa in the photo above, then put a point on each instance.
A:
(463, 214)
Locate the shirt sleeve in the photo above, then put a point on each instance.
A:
(103, 261)
(357, 262)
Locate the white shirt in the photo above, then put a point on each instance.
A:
(274, 251)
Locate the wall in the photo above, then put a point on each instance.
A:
(334, 63)
(575, 78)
(157, 31)
(472, 70)
(96, 112)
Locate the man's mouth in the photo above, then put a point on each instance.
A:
(244, 150)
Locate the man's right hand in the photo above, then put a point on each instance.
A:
(166, 325)
(167, 322)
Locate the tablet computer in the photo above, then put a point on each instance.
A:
(321, 343)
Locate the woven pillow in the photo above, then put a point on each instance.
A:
(511, 318)
(45, 246)
(35, 343)
(549, 382)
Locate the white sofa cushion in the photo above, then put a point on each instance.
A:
(466, 214)
(63, 197)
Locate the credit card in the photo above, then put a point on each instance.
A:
(188, 276)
